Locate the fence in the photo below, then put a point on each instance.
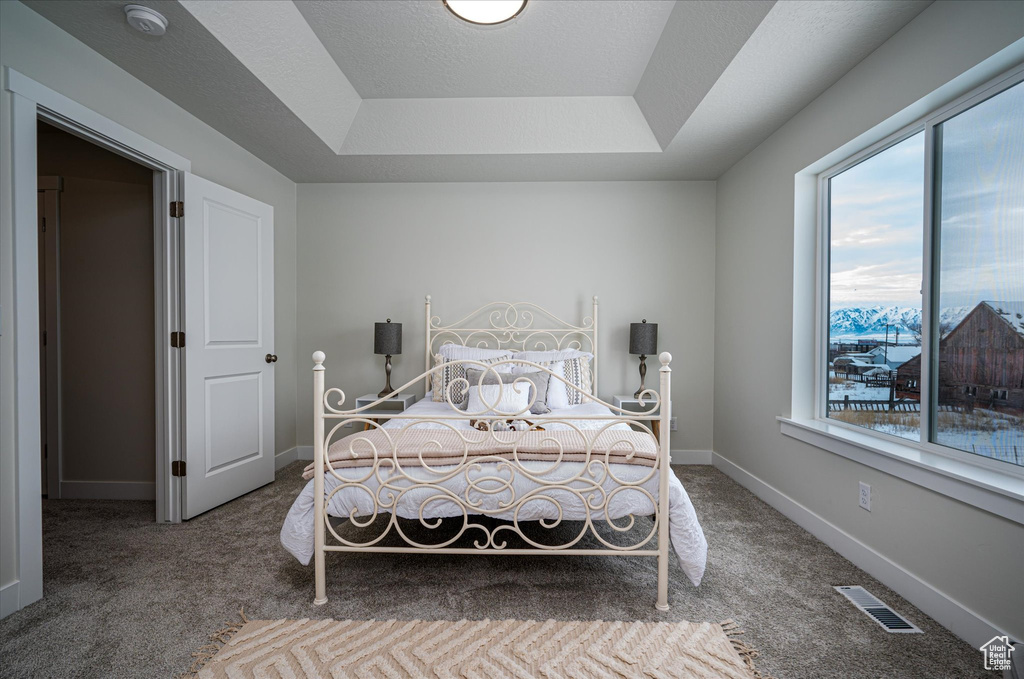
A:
(879, 406)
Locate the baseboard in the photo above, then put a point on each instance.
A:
(305, 452)
(107, 490)
(949, 613)
(691, 456)
(285, 458)
(9, 598)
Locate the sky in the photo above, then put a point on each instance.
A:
(877, 214)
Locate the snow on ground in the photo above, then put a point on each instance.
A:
(983, 432)
(857, 391)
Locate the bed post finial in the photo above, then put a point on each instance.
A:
(427, 298)
(595, 300)
(318, 358)
(665, 359)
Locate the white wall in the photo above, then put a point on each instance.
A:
(965, 553)
(43, 52)
(372, 251)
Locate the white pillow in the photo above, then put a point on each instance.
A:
(454, 352)
(515, 399)
(549, 356)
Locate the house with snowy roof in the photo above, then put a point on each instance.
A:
(893, 357)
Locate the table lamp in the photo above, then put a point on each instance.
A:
(643, 340)
(387, 340)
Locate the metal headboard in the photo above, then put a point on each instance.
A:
(518, 326)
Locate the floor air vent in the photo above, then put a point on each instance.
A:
(889, 619)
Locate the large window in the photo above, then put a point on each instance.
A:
(925, 282)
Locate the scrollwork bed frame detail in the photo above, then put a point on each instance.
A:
(383, 478)
(510, 325)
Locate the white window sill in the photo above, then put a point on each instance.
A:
(986, 489)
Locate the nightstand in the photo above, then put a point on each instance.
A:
(391, 406)
(630, 402)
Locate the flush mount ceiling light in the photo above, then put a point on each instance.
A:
(485, 12)
(146, 20)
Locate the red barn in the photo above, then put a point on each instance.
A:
(981, 361)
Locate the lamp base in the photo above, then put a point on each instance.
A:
(387, 371)
(643, 376)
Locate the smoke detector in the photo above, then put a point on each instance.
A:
(146, 20)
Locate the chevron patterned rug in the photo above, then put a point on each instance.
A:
(484, 649)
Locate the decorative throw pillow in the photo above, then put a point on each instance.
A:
(576, 372)
(453, 370)
(498, 399)
(538, 383)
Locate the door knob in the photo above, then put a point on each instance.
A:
(271, 358)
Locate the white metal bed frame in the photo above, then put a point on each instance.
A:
(510, 325)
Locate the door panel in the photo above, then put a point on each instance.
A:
(229, 329)
(233, 415)
(233, 293)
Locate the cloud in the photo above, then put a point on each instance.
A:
(877, 207)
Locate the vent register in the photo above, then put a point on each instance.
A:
(890, 620)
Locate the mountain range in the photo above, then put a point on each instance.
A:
(870, 321)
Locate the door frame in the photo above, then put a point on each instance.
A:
(32, 101)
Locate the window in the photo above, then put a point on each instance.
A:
(979, 215)
(924, 254)
(875, 211)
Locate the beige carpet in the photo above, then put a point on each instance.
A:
(485, 649)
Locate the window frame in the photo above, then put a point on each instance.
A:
(929, 125)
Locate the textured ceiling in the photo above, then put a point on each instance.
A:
(278, 80)
(555, 48)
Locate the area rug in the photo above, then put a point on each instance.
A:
(475, 649)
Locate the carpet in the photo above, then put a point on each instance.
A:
(475, 649)
(129, 598)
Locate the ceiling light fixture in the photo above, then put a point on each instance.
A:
(145, 20)
(485, 12)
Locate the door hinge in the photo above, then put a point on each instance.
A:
(46, 451)
(44, 338)
(177, 208)
(177, 340)
(44, 224)
(178, 468)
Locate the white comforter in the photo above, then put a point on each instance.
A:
(688, 539)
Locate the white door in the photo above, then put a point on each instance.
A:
(228, 273)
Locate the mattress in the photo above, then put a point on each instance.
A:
(688, 541)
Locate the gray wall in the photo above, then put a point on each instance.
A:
(108, 384)
(964, 552)
(43, 52)
(372, 251)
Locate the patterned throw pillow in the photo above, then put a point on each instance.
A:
(452, 371)
(576, 372)
(572, 364)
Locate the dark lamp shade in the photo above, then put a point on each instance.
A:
(387, 338)
(643, 338)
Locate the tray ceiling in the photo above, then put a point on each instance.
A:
(363, 90)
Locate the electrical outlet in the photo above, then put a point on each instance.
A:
(673, 425)
(348, 425)
(865, 496)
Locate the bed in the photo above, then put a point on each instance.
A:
(510, 451)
